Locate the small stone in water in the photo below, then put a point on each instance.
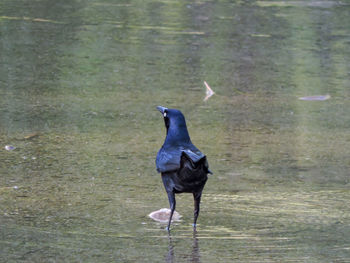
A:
(9, 147)
(162, 215)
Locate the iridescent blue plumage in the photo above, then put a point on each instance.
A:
(184, 168)
(176, 143)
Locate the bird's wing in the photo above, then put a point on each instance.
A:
(197, 158)
(168, 159)
(194, 154)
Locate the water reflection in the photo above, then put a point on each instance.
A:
(190, 256)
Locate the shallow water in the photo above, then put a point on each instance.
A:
(79, 82)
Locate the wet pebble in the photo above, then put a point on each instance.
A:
(9, 148)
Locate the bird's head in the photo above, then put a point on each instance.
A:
(175, 124)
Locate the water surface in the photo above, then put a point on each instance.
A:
(79, 82)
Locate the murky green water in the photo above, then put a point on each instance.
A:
(79, 82)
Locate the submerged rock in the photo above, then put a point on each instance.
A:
(162, 215)
(31, 136)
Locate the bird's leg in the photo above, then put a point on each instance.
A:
(172, 202)
(197, 200)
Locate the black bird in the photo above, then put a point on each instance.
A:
(183, 167)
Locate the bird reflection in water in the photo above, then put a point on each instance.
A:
(192, 256)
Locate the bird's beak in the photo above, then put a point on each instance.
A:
(161, 109)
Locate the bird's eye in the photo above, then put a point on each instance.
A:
(164, 114)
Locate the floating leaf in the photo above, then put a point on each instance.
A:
(315, 98)
(209, 92)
